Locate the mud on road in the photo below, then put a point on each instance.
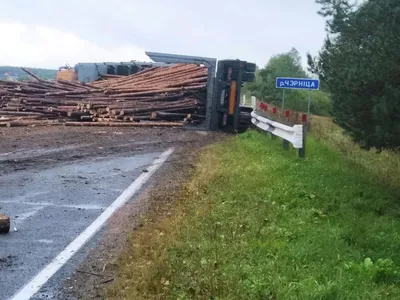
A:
(34, 150)
(38, 147)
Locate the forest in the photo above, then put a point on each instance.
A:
(359, 69)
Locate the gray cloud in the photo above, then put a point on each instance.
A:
(252, 30)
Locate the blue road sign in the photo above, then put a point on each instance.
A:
(297, 83)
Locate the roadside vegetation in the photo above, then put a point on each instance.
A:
(257, 223)
(360, 64)
(358, 67)
(384, 164)
(287, 65)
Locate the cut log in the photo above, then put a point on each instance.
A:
(77, 114)
(4, 223)
(19, 113)
(169, 116)
(126, 124)
(31, 74)
(72, 92)
(86, 118)
(23, 123)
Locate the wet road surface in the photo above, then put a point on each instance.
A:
(49, 208)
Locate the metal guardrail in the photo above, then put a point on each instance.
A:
(295, 135)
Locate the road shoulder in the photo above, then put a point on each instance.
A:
(100, 267)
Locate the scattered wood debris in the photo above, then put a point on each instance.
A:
(4, 223)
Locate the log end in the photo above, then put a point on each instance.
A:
(4, 223)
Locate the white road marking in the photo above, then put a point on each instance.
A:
(45, 204)
(44, 275)
(5, 154)
(27, 215)
(21, 198)
(44, 241)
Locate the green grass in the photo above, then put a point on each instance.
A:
(385, 165)
(255, 222)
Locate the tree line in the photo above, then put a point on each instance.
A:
(287, 65)
(359, 69)
(46, 74)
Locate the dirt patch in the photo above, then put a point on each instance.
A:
(43, 147)
(7, 262)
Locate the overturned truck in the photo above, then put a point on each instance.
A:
(176, 90)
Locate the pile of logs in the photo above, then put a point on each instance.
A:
(159, 96)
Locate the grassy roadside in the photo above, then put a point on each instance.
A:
(385, 165)
(256, 223)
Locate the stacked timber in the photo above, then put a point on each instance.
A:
(159, 96)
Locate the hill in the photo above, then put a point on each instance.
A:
(17, 73)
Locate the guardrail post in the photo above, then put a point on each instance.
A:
(302, 151)
(287, 117)
(285, 145)
(292, 134)
(274, 111)
(253, 102)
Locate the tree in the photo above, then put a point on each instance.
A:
(286, 65)
(360, 62)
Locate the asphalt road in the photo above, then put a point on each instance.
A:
(50, 207)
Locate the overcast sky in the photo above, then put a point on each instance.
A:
(51, 33)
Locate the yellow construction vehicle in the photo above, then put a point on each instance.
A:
(67, 73)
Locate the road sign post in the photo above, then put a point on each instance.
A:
(298, 84)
